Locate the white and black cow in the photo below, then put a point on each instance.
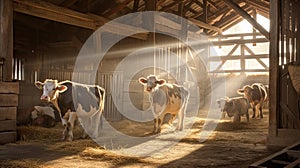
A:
(236, 107)
(166, 98)
(75, 99)
(256, 95)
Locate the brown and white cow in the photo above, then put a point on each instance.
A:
(236, 107)
(165, 98)
(70, 97)
(256, 95)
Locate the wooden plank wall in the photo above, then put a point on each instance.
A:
(284, 124)
(8, 109)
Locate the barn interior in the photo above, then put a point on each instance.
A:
(213, 47)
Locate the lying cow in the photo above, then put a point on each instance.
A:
(256, 95)
(45, 115)
(237, 107)
(166, 98)
(70, 97)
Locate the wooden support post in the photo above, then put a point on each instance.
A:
(298, 37)
(274, 69)
(6, 38)
(204, 15)
(246, 16)
(254, 13)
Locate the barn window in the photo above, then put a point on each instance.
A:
(18, 69)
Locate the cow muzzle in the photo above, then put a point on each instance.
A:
(45, 98)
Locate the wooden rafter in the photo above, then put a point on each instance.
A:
(205, 25)
(246, 16)
(50, 11)
(68, 3)
(119, 7)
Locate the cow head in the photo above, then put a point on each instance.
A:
(221, 102)
(51, 89)
(246, 91)
(151, 82)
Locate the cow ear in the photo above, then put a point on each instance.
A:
(240, 91)
(161, 81)
(39, 85)
(61, 88)
(142, 80)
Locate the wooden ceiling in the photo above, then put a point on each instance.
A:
(213, 16)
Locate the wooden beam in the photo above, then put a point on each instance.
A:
(239, 71)
(119, 7)
(237, 57)
(50, 11)
(274, 68)
(136, 5)
(246, 16)
(205, 25)
(239, 41)
(6, 38)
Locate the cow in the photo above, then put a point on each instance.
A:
(165, 98)
(221, 103)
(256, 95)
(74, 99)
(237, 107)
(45, 115)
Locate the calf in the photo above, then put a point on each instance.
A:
(256, 95)
(165, 98)
(45, 115)
(237, 107)
(70, 97)
(221, 103)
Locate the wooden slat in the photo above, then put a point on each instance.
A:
(8, 137)
(8, 100)
(6, 38)
(8, 125)
(246, 16)
(9, 87)
(8, 113)
(236, 57)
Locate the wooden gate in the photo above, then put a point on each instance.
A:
(113, 84)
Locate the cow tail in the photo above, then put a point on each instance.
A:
(102, 92)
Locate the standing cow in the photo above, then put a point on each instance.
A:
(256, 95)
(237, 107)
(70, 97)
(165, 98)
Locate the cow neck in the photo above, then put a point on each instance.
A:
(55, 103)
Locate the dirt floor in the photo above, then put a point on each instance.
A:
(230, 145)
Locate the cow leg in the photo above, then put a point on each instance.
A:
(254, 111)
(260, 111)
(180, 120)
(65, 123)
(247, 116)
(236, 117)
(155, 125)
(70, 126)
(159, 121)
